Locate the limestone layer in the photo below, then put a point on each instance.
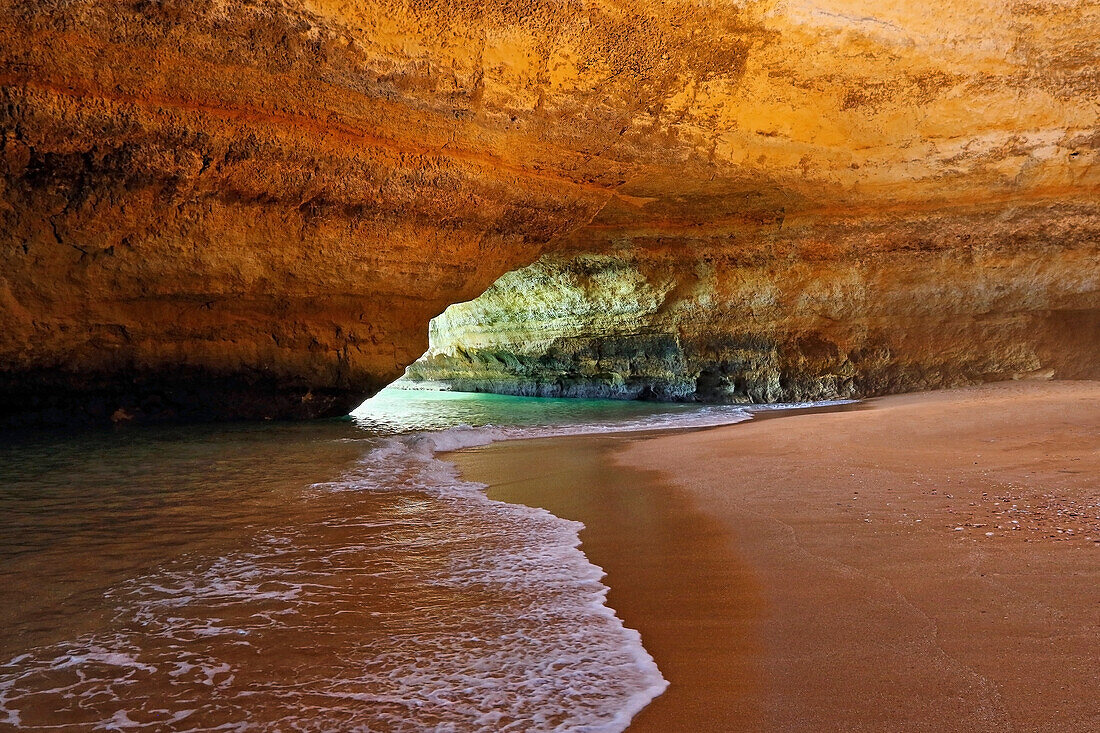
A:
(222, 209)
(795, 313)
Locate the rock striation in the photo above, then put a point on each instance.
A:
(795, 315)
(222, 209)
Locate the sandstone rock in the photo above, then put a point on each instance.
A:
(251, 208)
(934, 302)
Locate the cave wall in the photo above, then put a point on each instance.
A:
(788, 313)
(218, 209)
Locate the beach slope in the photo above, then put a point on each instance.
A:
(930, 562)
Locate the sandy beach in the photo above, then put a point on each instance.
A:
(929, 563)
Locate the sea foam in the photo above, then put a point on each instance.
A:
(399, 597)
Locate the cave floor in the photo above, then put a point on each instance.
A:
(931, 563)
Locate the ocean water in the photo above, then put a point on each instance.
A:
(335, 575)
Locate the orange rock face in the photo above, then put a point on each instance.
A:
(227, 209)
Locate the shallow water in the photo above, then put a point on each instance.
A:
(331, 575)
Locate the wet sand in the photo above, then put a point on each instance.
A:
(931, 563)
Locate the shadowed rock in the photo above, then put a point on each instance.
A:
(251, 209)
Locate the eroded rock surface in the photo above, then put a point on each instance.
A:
(252, 208)
(863, 309)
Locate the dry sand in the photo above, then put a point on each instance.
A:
(929, 564)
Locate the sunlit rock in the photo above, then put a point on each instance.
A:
(854, 310)
(228, 209)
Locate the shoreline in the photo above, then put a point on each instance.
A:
(806, 573)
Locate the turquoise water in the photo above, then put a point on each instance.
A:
(330, 575)
(398, 411)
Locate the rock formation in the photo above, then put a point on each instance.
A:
(215, 209)
(788, 316)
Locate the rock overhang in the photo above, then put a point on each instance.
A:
(281, 194)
